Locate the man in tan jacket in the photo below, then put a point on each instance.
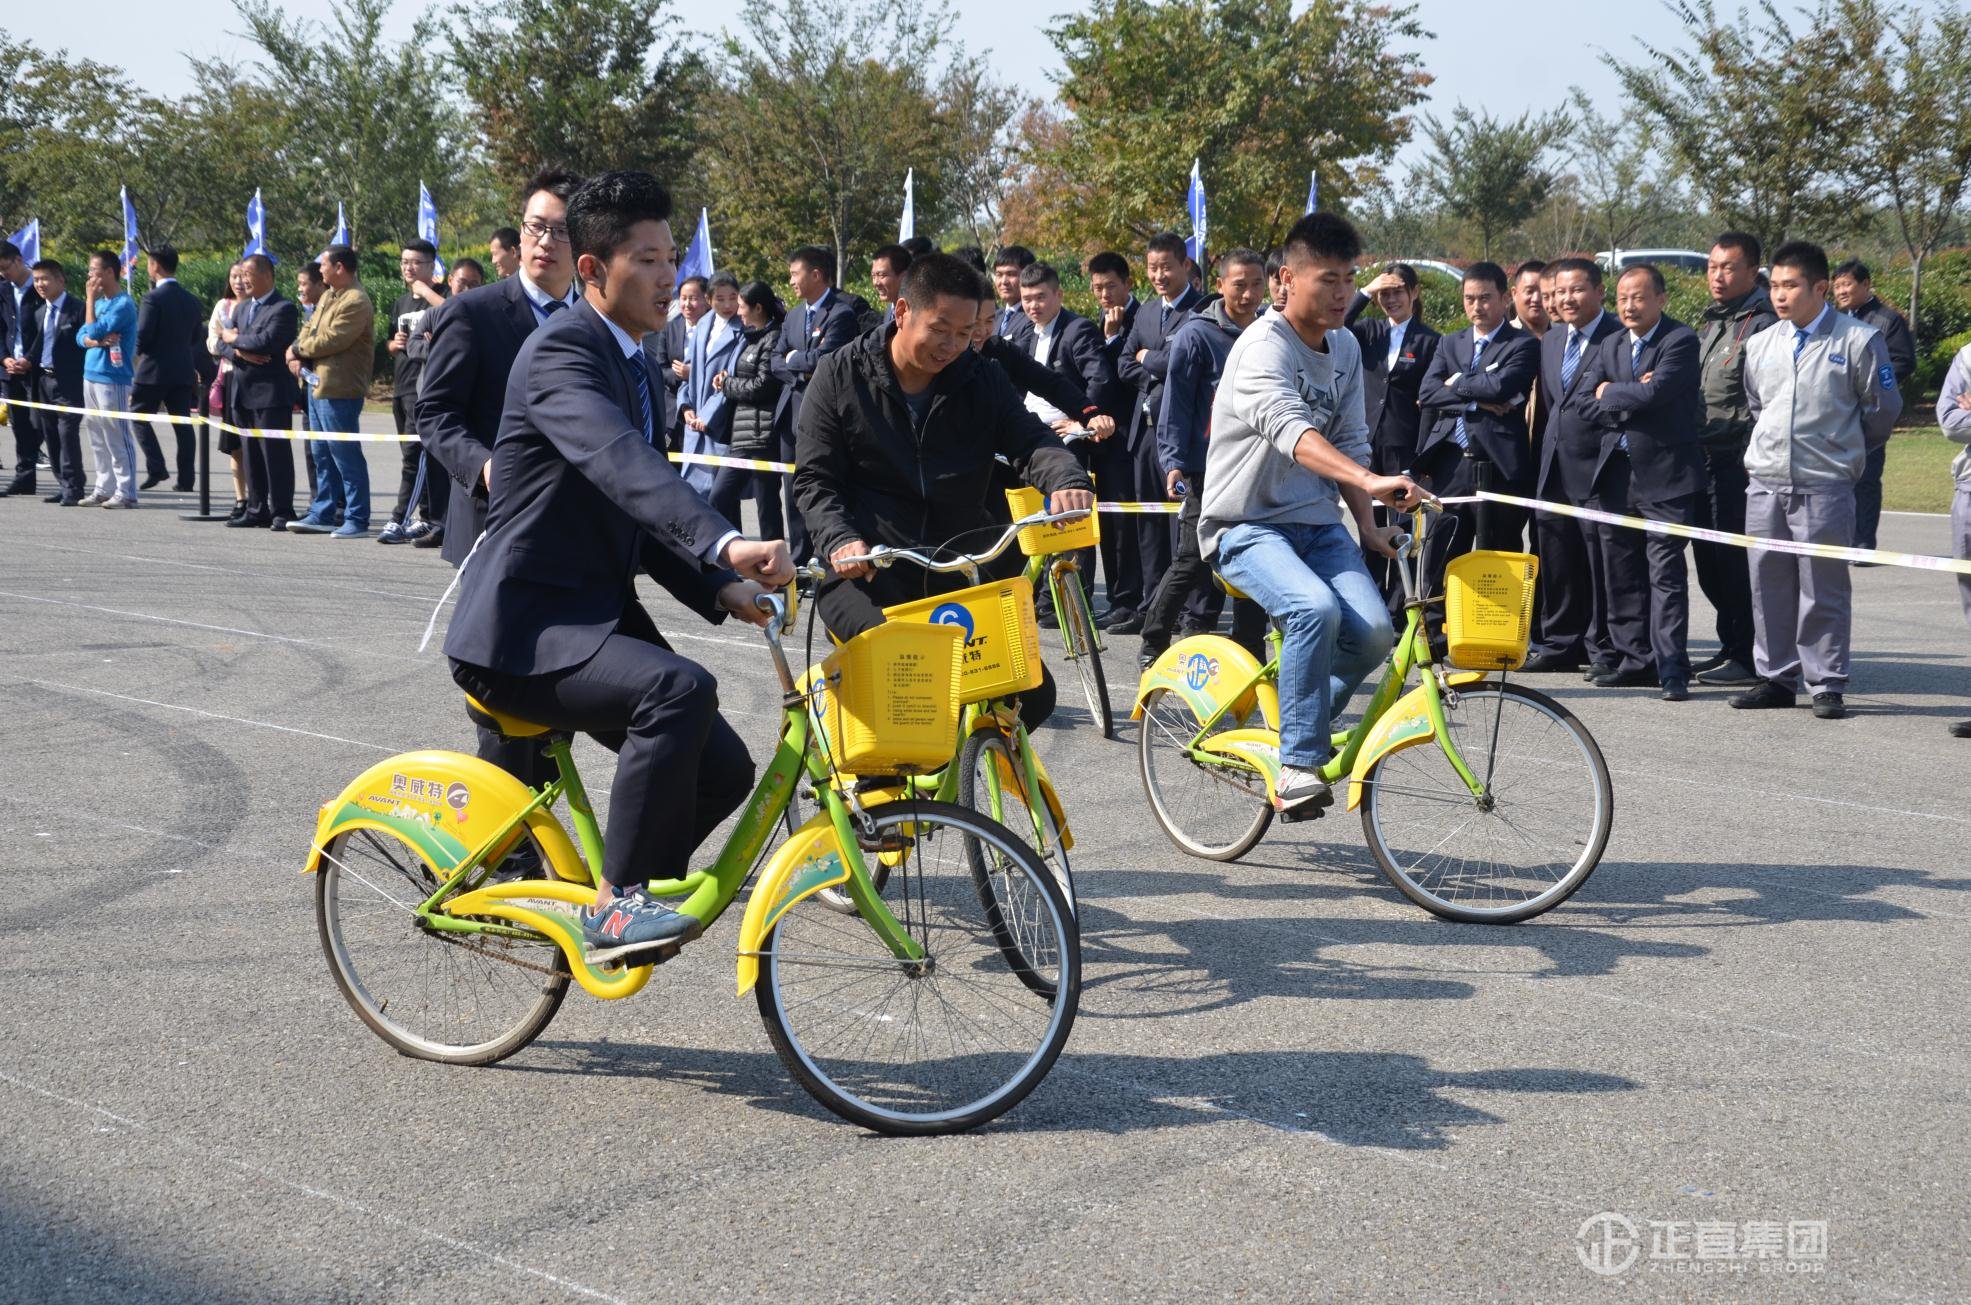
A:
(337, 352)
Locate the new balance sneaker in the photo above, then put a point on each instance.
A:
(394, 533)
(634, 924)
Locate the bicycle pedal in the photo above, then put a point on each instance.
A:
(1306, 811)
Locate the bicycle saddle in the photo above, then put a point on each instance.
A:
(501, 723)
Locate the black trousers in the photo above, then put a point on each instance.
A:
(1868, 497)
(680, 769)
(848, 607)
(1155, 534)
(269, 462)
(1189, 573)
(1724, 573)
(61, 434)
(1464, 526)
(178, 400)
(1115, 482)
(1644, 583)
(423, 487)
(27, 431)
(1572, 623)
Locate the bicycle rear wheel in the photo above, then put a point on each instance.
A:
(464, 999)
(1521, 847)
(1216, 812)
(933, 1046)
(1084, 651)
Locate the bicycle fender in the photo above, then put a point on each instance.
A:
(1258, 748)
(1404, 725)
(1202, 670)
(1055, 811)
(444, 803)
(806, 863)
(522, 903)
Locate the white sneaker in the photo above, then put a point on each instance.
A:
(119, 503)
(91, 500)
(1299, 788)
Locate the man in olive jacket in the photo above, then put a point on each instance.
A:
(336, 354)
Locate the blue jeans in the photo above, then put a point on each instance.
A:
(1334, 624)
(342, 474)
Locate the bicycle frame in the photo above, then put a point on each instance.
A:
(1055, 569)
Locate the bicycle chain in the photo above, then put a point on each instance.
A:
(548, 970)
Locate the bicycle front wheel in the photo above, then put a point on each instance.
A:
(1520, 847)
(1085, 653)
(938, 1045)
(992, 781)
(1218, 812)
(460, 998)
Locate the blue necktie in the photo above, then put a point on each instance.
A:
(1163, 323)
(641, 375)
(1458, 435)
(1635, 360)
(1799, 343)
(1570, 361)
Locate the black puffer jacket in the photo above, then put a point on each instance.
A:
(753, 390)
(864, 473)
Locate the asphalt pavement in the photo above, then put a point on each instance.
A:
(1731, 1068)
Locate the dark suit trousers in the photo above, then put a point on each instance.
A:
(178, 400)
(27, 431)
(423, 487)
(1644, 584)
(61, 434)
(1723, 572)
(680, 769)
(1572, 623)
(1155, 535)
(1456, 531)
(1115, 481)
(269, 462)
(1189, 574)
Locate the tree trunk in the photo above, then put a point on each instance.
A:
(1915, 296)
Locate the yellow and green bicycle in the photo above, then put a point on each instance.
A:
(1482, 801)
(935, 1002)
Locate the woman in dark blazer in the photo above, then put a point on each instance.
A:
(751, 393)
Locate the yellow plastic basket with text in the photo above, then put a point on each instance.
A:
(1488, 609)
(1062, 536)
(889, 701)
(1002, 640)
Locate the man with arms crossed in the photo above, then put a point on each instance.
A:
(1289, 444)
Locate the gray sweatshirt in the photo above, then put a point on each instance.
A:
(1818, 411)
(1955, 420)
(1275, 388)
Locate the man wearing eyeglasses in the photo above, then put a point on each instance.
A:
(474, 340)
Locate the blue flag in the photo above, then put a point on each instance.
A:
(1194, 200)
(697, 260)
(1313, 191)
(256, 229)
(341, 236)
(427, 223)
(28, 241)
(129, 233)
(908, 226)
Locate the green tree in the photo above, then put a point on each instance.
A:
(1750, 113)
(1490, 173)
(1623, 192)
(1910, 146)
(60, 150)
(1260, 92)
(365, 121)
(573, 84)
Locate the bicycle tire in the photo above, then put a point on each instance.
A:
(1033, 825)
(1079, 628)
(368, 933)
(1217, 817)
(1458, 875)
(901, 1038)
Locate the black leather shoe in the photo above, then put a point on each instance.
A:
(51, 498)
(1544, 663)
(1108, 619)
(155, 479)
(1961, 730)
(1596, 670)
(1676, 691)
(1829, 706)
(432, 538)
(1728, 672)
(182, 486)
(249, 521)
(1637, 679)
(1131, 623)
(1766, 694)
(21, 487)
(1045, 619)
(1147, 657)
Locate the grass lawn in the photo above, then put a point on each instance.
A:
(1917, 477)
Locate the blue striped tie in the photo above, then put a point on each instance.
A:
(1570, 362)
(642, 376)
(1799, 343)
(1458, 435)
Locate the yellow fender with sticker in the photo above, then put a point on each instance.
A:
(806, 863)
(1010, 781)
(521, 903)
(445, 804)
(1205, 668)
(1258, 748)
(1404, 725)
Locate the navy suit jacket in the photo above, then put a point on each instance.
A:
(1389, 394)
(1112, 394)
(1570, 448)
(474, 339)
(170, 337)
(30, 325)
(581, 502)
(268, 386)
(1506, 374)
(1014, 325)
(1150, 332)
(1661, 418)
(1076, 356)
(67, 370)
(834, 326)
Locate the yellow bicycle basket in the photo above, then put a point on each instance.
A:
(1488, 609)
(1002, 640)
(1062, 536)
(889, 701)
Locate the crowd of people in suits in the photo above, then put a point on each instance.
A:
(1769, 414)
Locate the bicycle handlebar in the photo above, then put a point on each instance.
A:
(883, 556)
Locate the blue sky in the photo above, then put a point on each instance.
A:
(1490, 54)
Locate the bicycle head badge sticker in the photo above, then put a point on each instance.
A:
(1199, 670)
(456, 797)
(954, 614)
